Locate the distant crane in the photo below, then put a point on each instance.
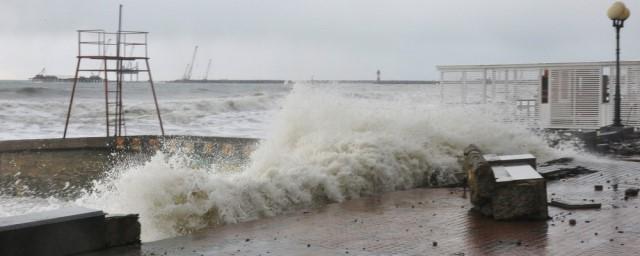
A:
(186, 69)
(189, 69)
(206, 74)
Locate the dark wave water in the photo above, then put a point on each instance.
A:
(37, 110)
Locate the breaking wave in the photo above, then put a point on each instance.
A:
(324, 146)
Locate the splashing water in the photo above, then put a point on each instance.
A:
(325, 146)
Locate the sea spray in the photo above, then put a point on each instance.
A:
(325, 145)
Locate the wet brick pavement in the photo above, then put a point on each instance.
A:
(411, 222)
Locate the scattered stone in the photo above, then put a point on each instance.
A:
(574, 205)
(247, 240)
(518, 243)
(434, 243)
(308, 245)
(615, 187)
(596, 233)
(567, 173)
(598, 187)
(631, 192)
(559, 161)
(572, 222)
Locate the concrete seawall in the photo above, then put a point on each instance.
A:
(38, 167)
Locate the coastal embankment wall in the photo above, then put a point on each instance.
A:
(32, 167)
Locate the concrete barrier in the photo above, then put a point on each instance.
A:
(66, 231)
(506, 187)
(40, 166)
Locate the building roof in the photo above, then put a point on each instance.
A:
(533, 65)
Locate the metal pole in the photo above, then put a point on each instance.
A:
(464, 87)
(155, 99)
(73, 92)
(118, 127)
(617, 121)
(484, 86)
(441, 87)
(106, 95)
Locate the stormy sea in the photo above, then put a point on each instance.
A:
(319, 144)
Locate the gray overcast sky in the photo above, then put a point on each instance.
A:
(329, 39)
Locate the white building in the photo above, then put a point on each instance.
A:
(551, 95)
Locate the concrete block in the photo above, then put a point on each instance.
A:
(480, 179)
(122, 230)
(505, 187)
(66, 231)
(60, 232)
(494, 159)
(520, 193)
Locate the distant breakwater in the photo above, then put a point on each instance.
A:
(224, 81)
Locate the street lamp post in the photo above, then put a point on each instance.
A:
(618, 13)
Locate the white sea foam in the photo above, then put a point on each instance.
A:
(326, 145)
(11, 206)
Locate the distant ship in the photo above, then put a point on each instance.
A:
(42, 77)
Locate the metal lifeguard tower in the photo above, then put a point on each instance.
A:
(113, 54)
